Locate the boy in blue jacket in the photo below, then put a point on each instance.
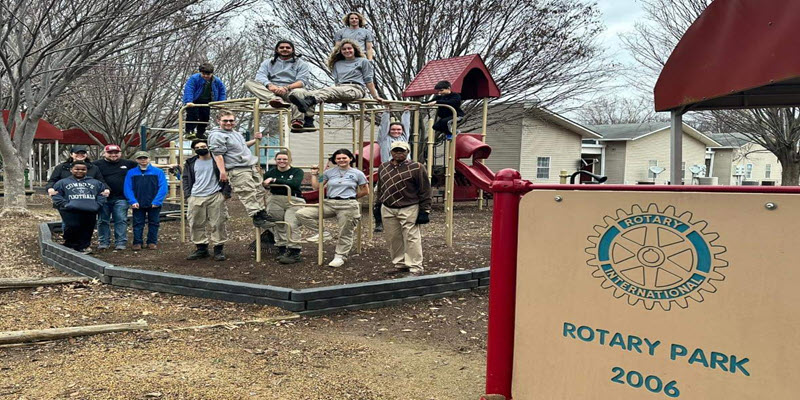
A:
(201, 88)
(78, 199)
(145, 188)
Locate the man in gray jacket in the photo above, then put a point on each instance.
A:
(238, 165)
(277, 78)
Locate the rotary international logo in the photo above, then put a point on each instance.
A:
(656, 257)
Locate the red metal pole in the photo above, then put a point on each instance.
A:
(507, 189)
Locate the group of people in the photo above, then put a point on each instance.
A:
(82, 190)
(223, 164)
(283, 82)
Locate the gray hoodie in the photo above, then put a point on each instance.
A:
(232, 147)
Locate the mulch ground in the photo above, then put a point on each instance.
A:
(471, 249)
(429, 350)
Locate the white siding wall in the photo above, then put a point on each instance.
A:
(504, 135)
(656, 147)
(544, 139)
(759, 157)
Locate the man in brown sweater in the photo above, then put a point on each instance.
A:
(405, 191)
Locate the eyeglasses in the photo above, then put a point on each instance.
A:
(227, 121)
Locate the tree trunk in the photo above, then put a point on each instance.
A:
(790, 176)
(13, 186)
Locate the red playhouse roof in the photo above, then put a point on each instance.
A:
(45, 131)
(737, 54)
(468, 75)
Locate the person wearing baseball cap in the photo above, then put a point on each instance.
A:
(114, 168)
(64, 170)
(145, 188)
(405, 192)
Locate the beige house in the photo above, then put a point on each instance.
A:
(738, 161)
(535, 141)
(629, 150)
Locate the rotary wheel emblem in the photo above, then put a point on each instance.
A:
(656, 257)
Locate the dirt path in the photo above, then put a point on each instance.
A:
(427, 350)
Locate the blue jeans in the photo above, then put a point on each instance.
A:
(118, 209)
(151, 216)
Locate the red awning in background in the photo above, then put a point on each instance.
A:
(737, 54)
(468, 75)
(45, 131)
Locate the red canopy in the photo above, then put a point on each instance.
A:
(468, 75)
(737, 54)
(44, 130)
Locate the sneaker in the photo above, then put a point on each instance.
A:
(378, 228)
(415, 270)
(87, 250)
(136, 247)
(292, 256)
(337, 261)
(119, 247)
(278, 103)
(261, 219)
(308, 124)
(325, 237)
(102, 247)
(401, 267)
(152, 246)
(297, 125)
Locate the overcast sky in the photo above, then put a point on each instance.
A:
(619, 16)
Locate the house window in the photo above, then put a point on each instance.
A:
(650, 174)
(748, 171)
(768, 171)
(543, 168)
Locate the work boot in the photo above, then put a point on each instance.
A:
(201, 251)
(218, 255)
(308, 123)
(278, 103)
(261, 219)
(281, 252)
(303, 103)
(292, 256)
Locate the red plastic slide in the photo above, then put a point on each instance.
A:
(469, 145)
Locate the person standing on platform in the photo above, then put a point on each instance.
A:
(445, 95)
(277, 78)
(78, 199)
(352, 76)
(355, 30)
(280, 209)
(239, 166)
(201, 88)
(114, 168)
(207, 212)
(145, 188)
(405, 192)
(390, 132)
(345, 185)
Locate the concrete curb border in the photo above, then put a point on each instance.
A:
(312, 301)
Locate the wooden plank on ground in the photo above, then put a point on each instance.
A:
(15, 283)
(61, 333)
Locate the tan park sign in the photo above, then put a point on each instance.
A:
(640, 295)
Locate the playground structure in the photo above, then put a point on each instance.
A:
(729, 58)
(468, 75)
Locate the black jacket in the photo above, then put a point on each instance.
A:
(114, 175)
(62, 171)
(452, 100)
(188, 178)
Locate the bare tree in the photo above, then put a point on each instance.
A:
(46, 45)
(542, 49)
(777, 130)
(619, 110)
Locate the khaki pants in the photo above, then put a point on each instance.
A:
(278, 207)
(246, 183)
(347, 213)
(336, 94)
(207, 217)
(261, 91)
(403, 235)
